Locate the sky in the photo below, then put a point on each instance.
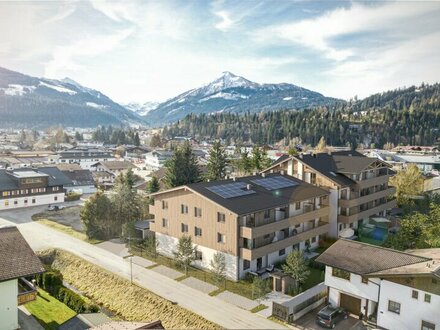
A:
(139, 51)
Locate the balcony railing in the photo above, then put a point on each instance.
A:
(26, 291)
(260, 251)
(367, 198)
(254, 232)
(365, 214)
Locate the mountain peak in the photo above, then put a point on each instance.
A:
(228, 80)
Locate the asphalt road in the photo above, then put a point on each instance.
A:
(226, 315)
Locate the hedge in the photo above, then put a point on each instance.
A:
(72, 196)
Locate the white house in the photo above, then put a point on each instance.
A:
(392, 289)
(84, 157)
(156, 159)
(31, 187)
(17, 262)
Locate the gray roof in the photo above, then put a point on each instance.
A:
(85, 321)
(56, 177)
(17, 259)
(334, 165)
(80, 177)
(262, 199)
(364, 259)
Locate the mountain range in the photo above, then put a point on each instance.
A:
(232, 93)
(30, 102)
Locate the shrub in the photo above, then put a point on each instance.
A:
(72, 196)
(51, 282)
(76, 302)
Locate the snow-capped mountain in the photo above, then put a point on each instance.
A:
(27, 101)
(235, 94)
(141, 109)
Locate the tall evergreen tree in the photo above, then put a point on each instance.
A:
(217, 162)
(153, 185)
(182, 168)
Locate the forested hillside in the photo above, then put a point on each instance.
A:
(403, 116)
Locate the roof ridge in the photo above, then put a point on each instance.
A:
(387, 249)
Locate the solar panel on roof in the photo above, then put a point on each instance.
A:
(273, 183)
(231, 190)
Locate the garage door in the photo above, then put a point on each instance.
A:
(350, 303)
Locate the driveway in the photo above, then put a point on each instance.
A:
(307, 322)
(226, 315)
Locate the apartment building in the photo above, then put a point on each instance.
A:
(31, 187)
(254, 221)
(358, 185)
(392, 289)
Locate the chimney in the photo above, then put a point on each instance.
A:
(263, 175)
(248, 187)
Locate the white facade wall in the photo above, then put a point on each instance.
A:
(9, 305)
(9, 203)
(333, 214)
(168, 244)
(84, 163)
(91, 189)
(412, 311)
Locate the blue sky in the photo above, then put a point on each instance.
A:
(153, 50)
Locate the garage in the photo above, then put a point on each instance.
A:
(350, 303)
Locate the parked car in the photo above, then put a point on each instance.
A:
(329, 316)
(55, 207)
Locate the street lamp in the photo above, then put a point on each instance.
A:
(131, 267)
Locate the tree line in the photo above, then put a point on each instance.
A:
(118, 136)
(400, 117)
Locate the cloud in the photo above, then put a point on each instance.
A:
(320, 32)
(113, 9)
(66, 58)
(226, 22)
(63, 13)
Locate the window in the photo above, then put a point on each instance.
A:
(184, 209)
(427, 298)
(25, 201)
(33, 201)
(428, 325)
(184, 228)
(434, 281)
(55, 198)
(336, 272)
(165, 223)
(197, 231)
(246, 264)
(6, 203)
(394, 306)
(15, 202)
(221, 238)
(164, 205)
(5, 193)
(199, 255)
(314, 239)
(282, 252)
(197, 212)
(221, 217)
(266, 214)
(364, 280)
(340, 226)
(415, 294)
(297, 205)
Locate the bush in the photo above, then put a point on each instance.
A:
(72, 196)
(75, 301)
(51, 282)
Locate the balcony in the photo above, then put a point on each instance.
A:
(357, 200)
(381, 177)
(254, 232)
(367, 213)
(251, 254)
(26, 291)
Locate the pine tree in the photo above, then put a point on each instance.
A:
(182, 168)
(217, 162)
(153, 185)
(136, 140)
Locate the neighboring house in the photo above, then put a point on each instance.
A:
(82, 181)
(156, 159)
(395, 290)
(358, 185)
(84, 157)
(85, 321)
(254, 221)
(115, 167)
(17, 262)
(31, 187)
(104, 179)
(136, 153)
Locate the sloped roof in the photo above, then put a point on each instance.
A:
(262, 199)
(80, 177)
(17, 259)
(116, 165)
(365, 259)
(56, 177)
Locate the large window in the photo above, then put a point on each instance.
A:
(221, 238)
(341, 273)
(184, 209)
(165, 223)
(164, 205)
(184, 228)
(427, 298)
(246, 264)
(394, 306)
(415, 294)
(197, 231)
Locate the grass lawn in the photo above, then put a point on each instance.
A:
(67, 230)
(48, 311)
(242, 288)
(316, 276)
(258, 308)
